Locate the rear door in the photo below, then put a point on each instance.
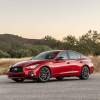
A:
(75, 61)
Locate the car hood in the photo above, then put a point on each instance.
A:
(29, 63)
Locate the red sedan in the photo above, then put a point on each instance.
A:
(55, 63)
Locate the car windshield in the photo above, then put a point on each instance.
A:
(45, 55)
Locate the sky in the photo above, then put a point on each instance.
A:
(58, 18)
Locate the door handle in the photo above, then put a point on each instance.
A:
(68, 62)
(81, 61)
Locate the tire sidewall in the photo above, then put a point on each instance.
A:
(39, 78)
(81, 74)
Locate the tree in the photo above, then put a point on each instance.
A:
(52, 42)
(70, 42)
(90, 43)
(35, 49)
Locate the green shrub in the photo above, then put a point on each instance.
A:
(39, 48)
(4, 54)
(19, 53)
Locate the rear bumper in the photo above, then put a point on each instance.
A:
(91, 70)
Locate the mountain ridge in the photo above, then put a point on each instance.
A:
(9, 40)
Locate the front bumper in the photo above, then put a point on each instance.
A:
(13, 75)
(16, 75)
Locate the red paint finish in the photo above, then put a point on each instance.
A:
(70, 65)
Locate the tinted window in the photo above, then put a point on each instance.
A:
(74, 55)
(63, 55)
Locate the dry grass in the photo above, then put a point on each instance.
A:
(6, 62)
(96, 62)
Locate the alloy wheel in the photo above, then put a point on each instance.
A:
(84, 73)
(44, 74)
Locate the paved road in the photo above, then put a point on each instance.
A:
(68, 89)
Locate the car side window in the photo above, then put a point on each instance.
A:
(63, 54)
(74, 55)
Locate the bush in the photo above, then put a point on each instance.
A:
(39, 48)
(19, 53)
(27, 52)
(4, 54)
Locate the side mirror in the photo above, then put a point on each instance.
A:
(59, 58)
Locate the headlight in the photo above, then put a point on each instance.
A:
(32, 66)
(10, 66)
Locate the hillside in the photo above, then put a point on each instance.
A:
(14, 46)
(8, 41)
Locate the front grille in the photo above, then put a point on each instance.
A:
(16, 69)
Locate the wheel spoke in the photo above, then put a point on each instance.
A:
(44, 74)
(85, 72)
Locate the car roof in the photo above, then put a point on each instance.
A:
(55, 50)
(62, 50)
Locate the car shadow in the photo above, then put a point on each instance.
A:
(50, 81)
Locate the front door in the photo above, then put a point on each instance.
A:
(61, 64)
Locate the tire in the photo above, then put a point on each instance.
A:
(20, 80)
(59, 78)
(84, 73)
(44, 74)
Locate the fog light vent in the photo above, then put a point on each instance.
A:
(31, 73)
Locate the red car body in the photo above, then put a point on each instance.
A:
(61, 63)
